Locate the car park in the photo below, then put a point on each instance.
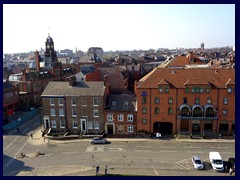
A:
(98, 140)
(197, 162)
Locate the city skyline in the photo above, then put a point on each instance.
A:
(117, 27)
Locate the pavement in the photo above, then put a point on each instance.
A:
(37, 139)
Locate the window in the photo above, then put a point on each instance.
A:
(52, 102)
(170, 100)
(84, 112)
(184, 100)
(170, 110)
(225, 101)
(197, 89)
(144, 100)
(95, 102)
(197, 101)
(130, 117)
(61, 112)
(130, 128)
(166, 89)
(53, 113)
(96, 125)
(144, 121)
(207, 89)
(75, 125)
(60, 101)
(110, 117)
(229, 89)
(209, 100)
(225, 111)
(157, 100)
(201, 89)
(74, 102)
(62, 124)
(187, 89)
(193, 90)
(95, 113)
(54, 124)
(125, 103)
(156, 110)
(74, 113)
(160, 89)
(144, 110)
(90, 125)
(120, 117)
(114, 103)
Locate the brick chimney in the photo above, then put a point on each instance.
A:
(71, 80)
(37, 60)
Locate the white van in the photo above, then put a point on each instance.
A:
(216, 161)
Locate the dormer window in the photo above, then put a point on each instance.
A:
(160, 89)
(229, 90)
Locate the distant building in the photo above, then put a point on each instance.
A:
(95, 52)
(202, 46)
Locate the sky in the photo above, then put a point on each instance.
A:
(117, 26)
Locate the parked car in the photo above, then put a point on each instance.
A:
(98, 140)
(216, 161)
(197, 162)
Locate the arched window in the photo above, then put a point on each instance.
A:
(208, 89)
(225, 111)
(184, 100)
(157, 100)
(156, 110)
(209, 100)
(225, 100)
(144, 110)
(170, 110)
(197, 100)
(144, 100)
(170, 100)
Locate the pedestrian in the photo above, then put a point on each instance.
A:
(106, 169)
(31, 135)
(97, 170)
(17, 129)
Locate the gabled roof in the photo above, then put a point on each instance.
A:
(182, 76)
(230, 82)
(196, 82)
(163, 82)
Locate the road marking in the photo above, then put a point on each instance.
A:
(69, 152)
(97, 149)
(194, 152)
(155, 171)
(143, 146)
(218, 147)
(183, 164)
(143, 151)
(168, 151)
(193, 147)
(168, 146)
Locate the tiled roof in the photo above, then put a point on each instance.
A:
(196, 81)
(181, 61)
(181, 76)
(120, 99)
(230, 82)
(59, 88)
(163, 81)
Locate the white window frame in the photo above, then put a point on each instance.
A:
(96, 124)
(225, 101)
(61, 112)
(74, 110)
(61, 124)
(95, 103)
(229, 89)
(53, 112)
(72, 101)
(90, 125)
(120, 117)
(59, 101)
(130, 117)
(52, 102)
(95, 113)
(130, 128)
(54, 123)
(74, 124)
(110, 117)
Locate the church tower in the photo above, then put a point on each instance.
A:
(50, 54)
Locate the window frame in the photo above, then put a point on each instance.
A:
(130, 118)
(120, 117)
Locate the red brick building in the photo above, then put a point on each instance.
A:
(120, 115)
(186, 101)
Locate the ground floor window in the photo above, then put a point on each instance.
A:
(54, 124)
(62, 124)
(75, 125)
(96, 125)
(90, 125)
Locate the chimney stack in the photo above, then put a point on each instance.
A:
(37, 60)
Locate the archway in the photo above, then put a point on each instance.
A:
(163, 127)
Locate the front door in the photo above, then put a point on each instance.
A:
(46, 123)
(110, 129)
(83, 125)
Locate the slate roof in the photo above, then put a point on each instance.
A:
(59, 88)
(120, 99)
(183, 76)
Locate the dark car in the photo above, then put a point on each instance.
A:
(230, 163)
(98, 140)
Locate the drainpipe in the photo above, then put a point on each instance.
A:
(150, 110)
(177, 111)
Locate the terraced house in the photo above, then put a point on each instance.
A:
(74, 106)
(197, 101)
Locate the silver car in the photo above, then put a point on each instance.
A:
(98, 140)
(197, 162)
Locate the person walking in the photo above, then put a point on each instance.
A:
(106, 169)
(97, 170)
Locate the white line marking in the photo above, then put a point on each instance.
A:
(155, 171)
(194, 152)
(143, 151)
(169, 151)
(193, 147)
(143, 146)
(168, 146)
